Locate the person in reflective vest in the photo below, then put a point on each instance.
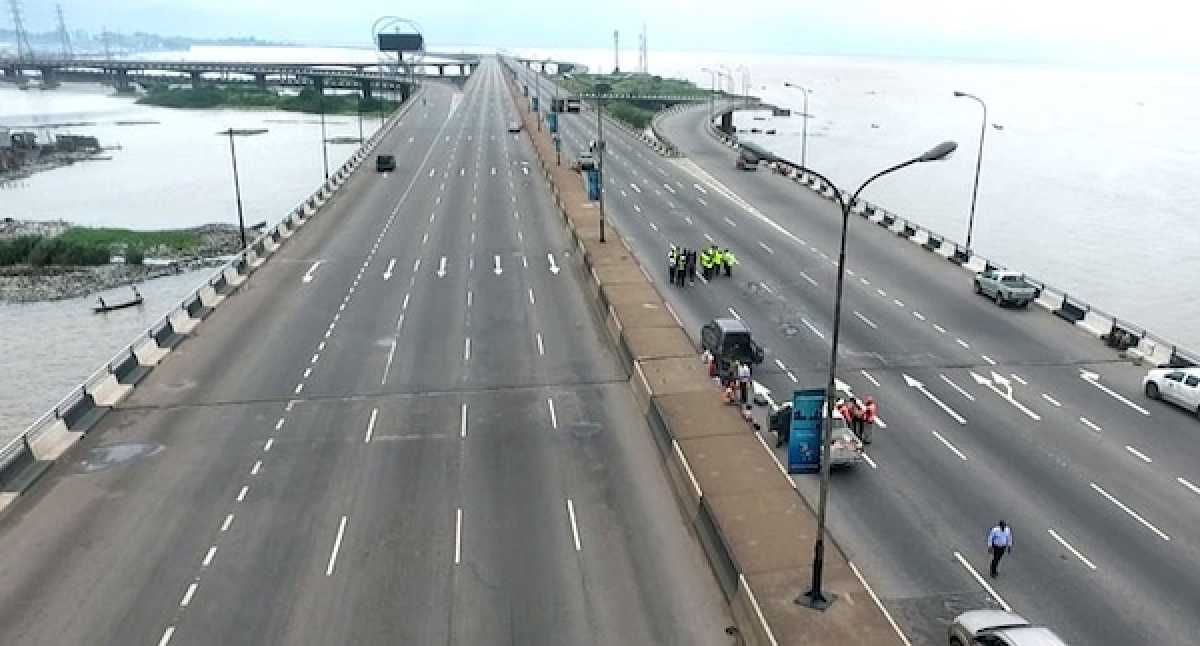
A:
(671, 266)
(706, 263)
(717, 260)
(730, 261)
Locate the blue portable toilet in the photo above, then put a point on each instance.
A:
(593, 184)
(552, 121)
(533, 103)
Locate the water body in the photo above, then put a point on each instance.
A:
(1089, 185)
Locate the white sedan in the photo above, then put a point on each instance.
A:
(1180, 386)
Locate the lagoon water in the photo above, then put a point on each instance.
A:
(1088, 186)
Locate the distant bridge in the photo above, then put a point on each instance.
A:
(560, 67)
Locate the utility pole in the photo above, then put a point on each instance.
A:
(63, 36)
(616, 51)
(24, 50)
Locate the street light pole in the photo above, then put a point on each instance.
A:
(237, 185)
(804, 124)
(712, 97)
(815, 598)
(600, 153)
(321, 102)
(978, 164)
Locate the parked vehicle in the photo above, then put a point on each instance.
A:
(729, 339)
(573, 105)
(846, 450)
(999, 628)
(1180, 386)
(744, 164)
(385, 163)
(1005, 287)
(584, 161)
(514, 126)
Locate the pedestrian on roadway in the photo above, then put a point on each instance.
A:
(671, 254)
(717, 260)
(858, 418)
(781, 423)
(691, 266)
(869, 413)
(680, 268)
(729, 262)
(1000, 543)
(743, 375)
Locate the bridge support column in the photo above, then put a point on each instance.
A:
(441, 70)
(121, 80)
(197, 79)
(727, 123)
(11, 73)
(49, 78)
(365, 87)
(260, 80)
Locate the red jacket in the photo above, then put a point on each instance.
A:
(869, 412)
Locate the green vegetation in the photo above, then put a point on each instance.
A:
(216, 96)
(179, 239)
(92, 246)
(636, 113)
(40, 251)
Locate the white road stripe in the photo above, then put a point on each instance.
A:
(228, 521)
(458, 520)
(208, 558)
(730, 222)
(870, 461)
(1129, 511)
(955, 386)
(1064, 543)
(780, 364)
(1090, 424)
(701, 200)
(988, 359)
(1095, 381)
(242, 494)
(279, 424)
(654, 226)
(1020, 380)
(919, 316)
(462, 432)
(371, 425)
(896, 627)
(553, 416)
(949, 445)
(792, 377)
(388, 366)
(467, 350)
(337, 544)
(898, 302)
(961, 342)
(256, 468)
(939, 328)
(734, 313)
(1141, 456)
(765, 247)
(808, 278)
(812, 327)
(1053, 401)
(1194, 488)
(187, 596)
(541, 347)
(166, 638)
(866, 320)
(979, 579)
(574, 526)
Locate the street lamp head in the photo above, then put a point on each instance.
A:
(939, 152)
(958, 93)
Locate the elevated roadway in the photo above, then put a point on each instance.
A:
(407, 428)
(1099, 483)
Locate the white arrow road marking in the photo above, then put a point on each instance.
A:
(387, 274)
(441, 272)
(913, 383)
(554, 268)
(308, 275)
(1005, 393)
(497, 270)
(1094, 379)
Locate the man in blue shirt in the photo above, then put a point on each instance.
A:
(999, 542)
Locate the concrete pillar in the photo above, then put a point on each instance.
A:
(260, 80)
(49, 78)
(365, 87)
(197, 79)
(727, 123)
(121, 80)
(441, 70)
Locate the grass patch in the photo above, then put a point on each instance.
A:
(99, 236)
(216, 96)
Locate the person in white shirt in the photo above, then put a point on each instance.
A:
(999, 543)
(743, 375)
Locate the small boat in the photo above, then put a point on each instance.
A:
(108, 307)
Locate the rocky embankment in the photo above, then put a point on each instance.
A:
(25, 283)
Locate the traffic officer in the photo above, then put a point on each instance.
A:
(706, 264)
(717, 260)
(999, 543)
(680, 268)
(691, 266)
(730, 261)
(671, 253)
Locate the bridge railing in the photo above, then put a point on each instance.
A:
(64, 423)
(1136, 341)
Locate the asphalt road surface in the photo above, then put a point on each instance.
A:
(1100, 484)
(408, 428)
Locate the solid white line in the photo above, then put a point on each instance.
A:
(1020, 380)
(337, 543)
(467, 350)
(988, 359)
(949, 445)
(187, 596)
(553, 417)
(730, 222)
(887, 615)
(531, 301)
(166, 638)
(1074, 551)
(757, 610)
(866, 320)
(1090, 424)
(735, 314)
(458, 536)
(574, 527)
(870, 461)
(808, 278)
(1194, 488)
(1053, 401)
(955, 386)
(869, 377)
(898, 302)
(792, 377)
(371, 425)
(1142, 456)
(307, 373)
(979, 579)
(775, 458)
(242, 494)
(228, 521)
(541, 347)
(765, 247)
(279, 424)
(388, 366)
(919, 316)
(812, 327)
(1129, 511)
(256, 468)
(961, 342)
(208, 558)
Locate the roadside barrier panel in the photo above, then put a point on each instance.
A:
(887, 221)
(275, 236)
(148, 352)
(1182, 359)
(20, 467)
(1072, 311)
(1050, 299)
(209, 297)
(1095, 324)
(283, 229)
(907, 231)
(932, 242)
(165, 336)
(182, 322)
(195, 307)
(79, 411)
(128, 368)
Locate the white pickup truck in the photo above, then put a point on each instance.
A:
(1005, 287)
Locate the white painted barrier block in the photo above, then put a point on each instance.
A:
(209, 296)
(148, 353)
(921, 237)
(183, 323)
(1049, 300)
(54, 441)
(253, 260)
(110, 392)
(233, 277)
(1095, 324)
(284, 231)
(975, 264)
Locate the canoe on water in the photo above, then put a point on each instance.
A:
(108, 307)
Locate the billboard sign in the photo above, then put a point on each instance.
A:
(401, 42)
(804, 443)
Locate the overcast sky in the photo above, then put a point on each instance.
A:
(1070, 30)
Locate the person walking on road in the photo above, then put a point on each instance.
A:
(1000, 543)
(680, 268)
(717, 260)
(869, 412)
(743, 375)
(671, 264)
(705, 264)
(729, 261)
(858, 419)
(691, 266)
(781, 423)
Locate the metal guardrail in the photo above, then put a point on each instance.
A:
(1053, 298)
(16, 448)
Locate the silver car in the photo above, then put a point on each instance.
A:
(999, 628)
(1180, 386)
(846, 450)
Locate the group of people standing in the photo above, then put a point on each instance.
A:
(682, 264)
(860, 416)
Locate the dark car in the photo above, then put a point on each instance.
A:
(729, 340)
(385, 163)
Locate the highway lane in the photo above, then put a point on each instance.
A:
(930, 585)
(313, 485)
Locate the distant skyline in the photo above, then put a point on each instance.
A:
(1097, 31)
